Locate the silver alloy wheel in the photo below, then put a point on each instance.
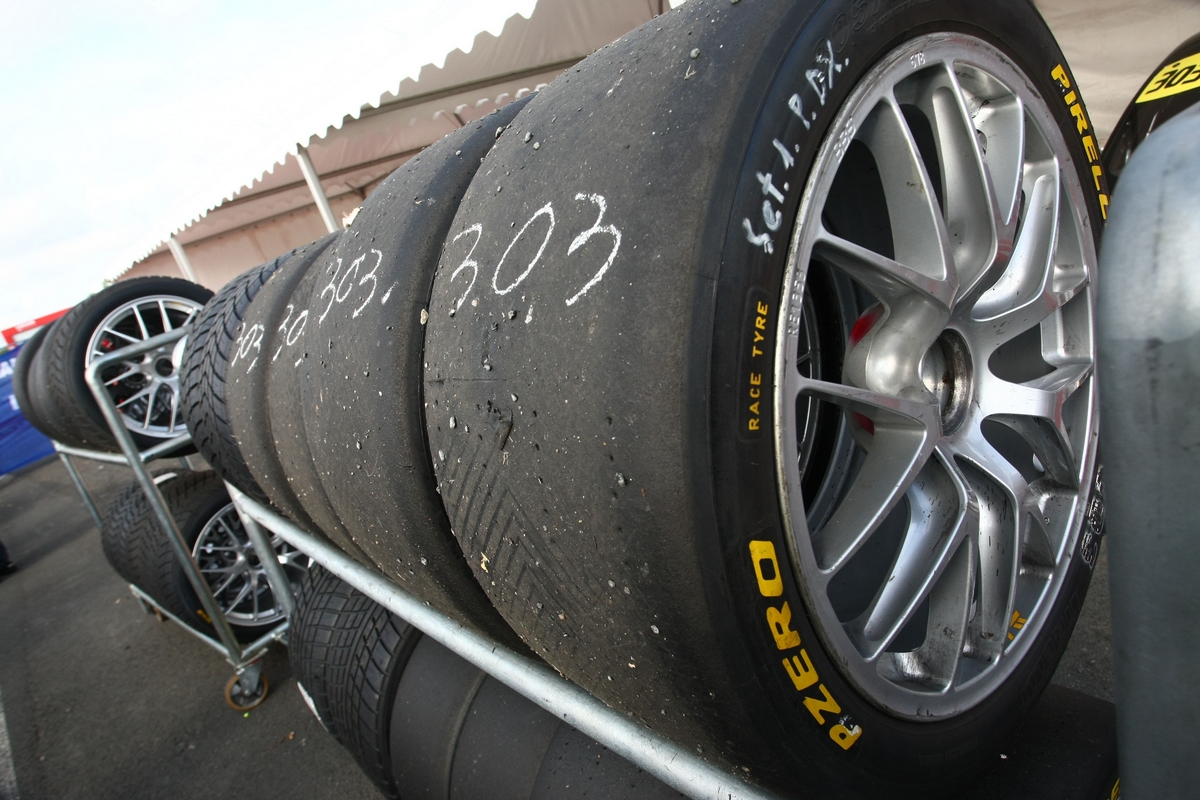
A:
(233, 571)
(145, 388)
(965, 409)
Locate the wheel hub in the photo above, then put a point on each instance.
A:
(947, 373)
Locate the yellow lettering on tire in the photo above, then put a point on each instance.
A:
(845, 737)
(803, 675)
(818, 708)
(762, 552)
(780, 620)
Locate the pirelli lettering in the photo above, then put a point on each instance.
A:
(796, 662)
(1086, 134)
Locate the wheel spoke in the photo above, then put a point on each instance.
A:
(1003, 125)
(942, 514)
(935, 663)
(1041, 398)
(884, 277)
(903, 439)
(166, 320)
(1024, 294)
(233, 574)
(882, 409)
(241, 595)
(155, 386)
(122, 376)
(137, 396)
(291, 557)
(974, 221)
(1004, 498)
(137, 314)
(126, 337)
(255, 592)
(174, 411)
(919, 234)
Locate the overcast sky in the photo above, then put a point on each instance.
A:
(121, 121)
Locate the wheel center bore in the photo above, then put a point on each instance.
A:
(164, 367)
(947, 371)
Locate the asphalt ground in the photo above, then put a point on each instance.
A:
(101, 700)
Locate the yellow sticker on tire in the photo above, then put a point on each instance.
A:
(1176, 78)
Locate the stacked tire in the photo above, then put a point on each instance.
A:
(137, 547)
(48, 379)
(744, 374)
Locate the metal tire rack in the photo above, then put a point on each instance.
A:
(672, 764)
(244, 658)
(669, 762)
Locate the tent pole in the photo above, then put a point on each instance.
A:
(314, 186)
(181, 259)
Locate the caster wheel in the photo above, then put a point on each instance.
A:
(239, 700)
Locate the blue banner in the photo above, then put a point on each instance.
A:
(20, 442)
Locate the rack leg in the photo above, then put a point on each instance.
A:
(77, 479)
(276, 577)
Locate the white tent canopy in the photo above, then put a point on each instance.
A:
(276, 212)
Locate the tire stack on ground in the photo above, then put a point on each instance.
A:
(744, 374)
(49, 385)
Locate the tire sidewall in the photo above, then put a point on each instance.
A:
(742, 471)
(21, 371)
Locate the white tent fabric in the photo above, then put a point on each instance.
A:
(275, 212)
(1111, 45)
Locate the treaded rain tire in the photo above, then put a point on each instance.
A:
(126, 514)
(626, 504)
(205, 359)
(348, 653)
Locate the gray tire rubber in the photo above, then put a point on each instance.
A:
(285, 378)
(20, 378)
(265, 327)
(363, 402)
(459, 734)
(38, 389)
